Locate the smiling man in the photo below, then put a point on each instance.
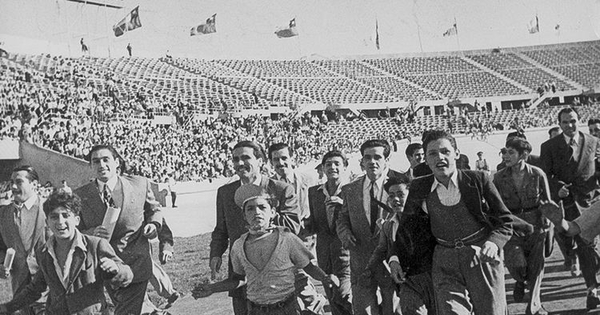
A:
(139, 219)
(248, 158)
(22, 228)
(358, 230)
(470, 225)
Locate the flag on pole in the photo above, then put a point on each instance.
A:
(451, 31)
(128, 23)
(209, 27)
(534, 26)
(290, 31)
(377, 34)
(557, 27)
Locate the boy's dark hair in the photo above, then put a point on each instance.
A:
(519, 144)
(31, 172)
(567, 110)
(412, 148)
(279, 146)
(515, 134)
(334, 153)
(63, 199)
(395, 181)
(376, 143)
(433, 135)
(258, 150)
(553, 129)
(593, 121)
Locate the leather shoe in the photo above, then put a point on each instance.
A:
(172, 299)
(592, 300)
(519, 292)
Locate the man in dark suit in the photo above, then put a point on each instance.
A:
(415, 155)
(139, 219)
(569, 161)
(325, 204)
(23, 228)
(248, 158)
(358, 230)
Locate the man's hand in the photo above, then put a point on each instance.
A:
(165, 256)
(215, 267)
(489, 252)
(554, 212)
(108, 265)
(563, 192)
(150, 231)
(349, 241)
(202, 290)
(100, 231)
(398, 275)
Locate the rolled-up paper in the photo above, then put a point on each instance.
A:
(110, 220)
(8, 259)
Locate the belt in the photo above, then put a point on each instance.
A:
(524, 210)
(274, 306)
(476, 237)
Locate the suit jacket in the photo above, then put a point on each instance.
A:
(138, 208)
(85, 292)
(331, 256)
(231, 223)
(301, 186)
(353, 221)
(10, 238)
(481, 198)
(561, 169)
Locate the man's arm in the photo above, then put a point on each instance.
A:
(220, 236)
(124, 275)
(152, 210)
(31, 293)
(288, 210)
(165, 243)
(343, 225)
(500, 217)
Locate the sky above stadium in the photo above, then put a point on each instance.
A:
(326, 28)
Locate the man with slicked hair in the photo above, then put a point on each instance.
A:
(23, 228)
(248, 159)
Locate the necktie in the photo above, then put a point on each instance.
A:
(573, 146)
(374, 208)
(107, 198)
(18, 209)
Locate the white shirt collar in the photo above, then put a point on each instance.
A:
(453, 181)
(111, 183)
(575, 137)
(257, 181)
(29, 203)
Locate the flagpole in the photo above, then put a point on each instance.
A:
(456, 28)
(107, 30)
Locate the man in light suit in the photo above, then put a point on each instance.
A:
(358, 230)
(23, 228)
(281, 157)
(140, 219)
(325, 204)
(248, 158)
(569, 161)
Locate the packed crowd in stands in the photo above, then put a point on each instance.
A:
(63, 109)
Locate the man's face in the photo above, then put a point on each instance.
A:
(416, 158)
(258, 213)
(22, 188)
(282, 162)
(62, 222)
(595, 130)
(245, 162)
(374, 162)
(104, 164)
(441, 158)
(568, 123)
(334, 168)
(397, 197)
